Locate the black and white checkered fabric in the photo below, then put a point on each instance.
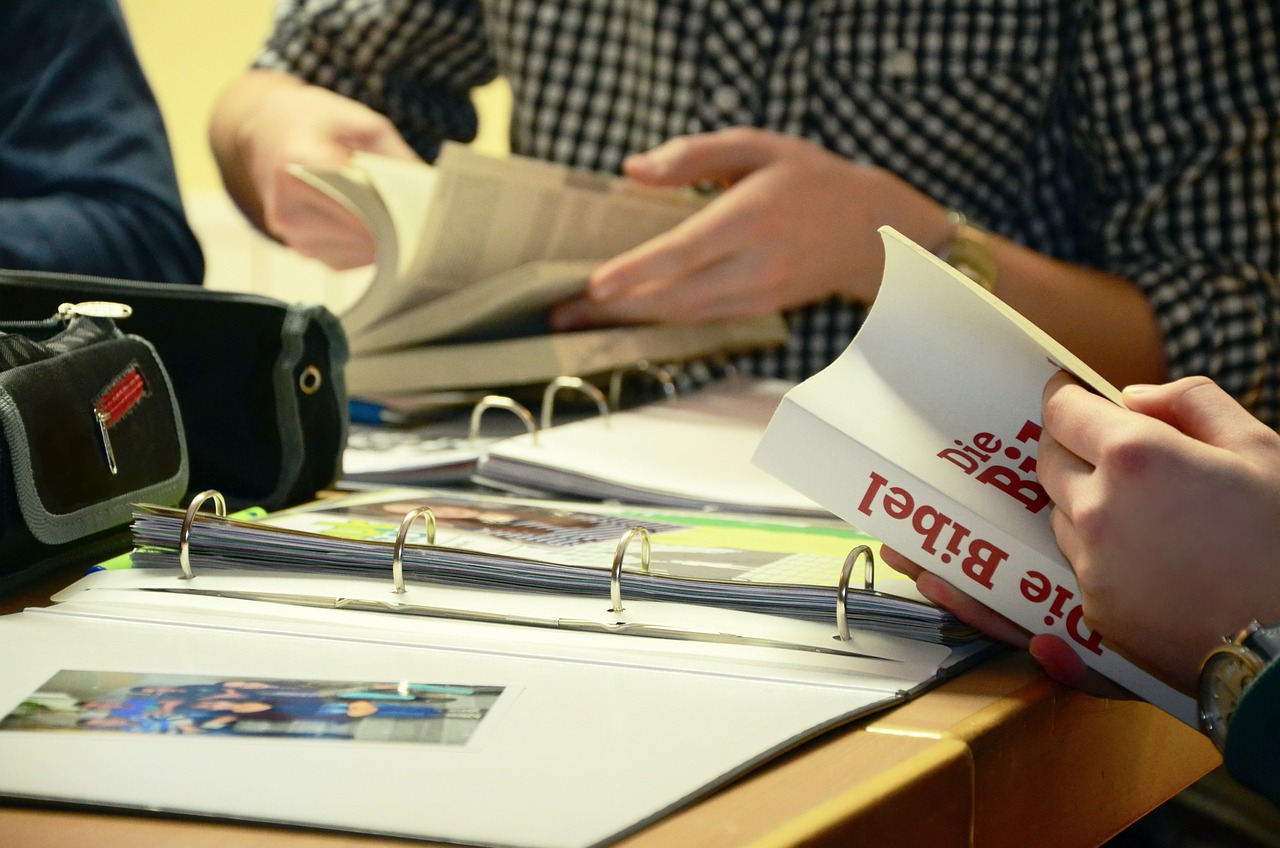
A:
(1142, 138)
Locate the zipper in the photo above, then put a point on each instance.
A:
(67, 311)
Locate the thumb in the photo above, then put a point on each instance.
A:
(718, 157)
(387, 144)
(1196, 406)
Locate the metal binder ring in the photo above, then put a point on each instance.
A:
(615, 573)
(397, 556)
(842, 589)
(500, 402)
(184, 540)
(662, 375)
(588, 389)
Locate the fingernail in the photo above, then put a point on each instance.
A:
(1139, 388)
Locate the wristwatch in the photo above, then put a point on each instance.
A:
(1227, 672)
(969, 251)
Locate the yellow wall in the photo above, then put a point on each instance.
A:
(190, 49)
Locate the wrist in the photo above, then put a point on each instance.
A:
(968, 250)
(1227, 673)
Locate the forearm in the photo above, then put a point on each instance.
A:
(1102, 318)
(238, 105)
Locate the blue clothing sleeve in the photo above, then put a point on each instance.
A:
(87, 182)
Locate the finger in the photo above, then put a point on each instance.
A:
(710, 235)
(316, 226)
(707, 296)
(1064, 665)
(723, 156)
(1078, 419)
(1068, 537)
(1065, 477)
(899, 563)
(1198, 407)
(387, 143)
(969, 610)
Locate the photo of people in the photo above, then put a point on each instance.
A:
(440, 714)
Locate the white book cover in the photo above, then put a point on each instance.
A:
(924, 434)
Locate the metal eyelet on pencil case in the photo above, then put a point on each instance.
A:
(90, 427)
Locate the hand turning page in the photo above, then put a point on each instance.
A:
(924, 433)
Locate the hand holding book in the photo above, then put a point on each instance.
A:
(938, 458)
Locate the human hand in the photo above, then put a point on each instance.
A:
(794, 225)
(1058, 659)
(314, 127)
(1169, 513)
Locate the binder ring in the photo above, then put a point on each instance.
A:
(842, 589)
(397, 556)
(184, 541)
(662, 375)
(619, 554)
(500, 402)
(588, 389)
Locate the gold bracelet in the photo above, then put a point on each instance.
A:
(969, 251)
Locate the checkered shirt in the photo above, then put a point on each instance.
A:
(1142, 138)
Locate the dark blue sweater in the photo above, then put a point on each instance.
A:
(86, 175)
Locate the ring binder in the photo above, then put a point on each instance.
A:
(842, 588)
(184, 539)
(564, 382)
(820, 596)
(500, 402)
(662, 375)
(619, 554)
(397, 555)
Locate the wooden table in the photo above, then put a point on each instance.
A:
(1000, 756)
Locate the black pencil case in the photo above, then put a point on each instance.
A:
(90, 426)
(260, 382)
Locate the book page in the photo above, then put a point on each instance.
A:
(391, 197)
(510, 304)
(474, 219)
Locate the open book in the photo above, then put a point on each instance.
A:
(937, 455)
(473, 251)
(549, 722)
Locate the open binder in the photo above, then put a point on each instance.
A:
(438, 438)
(691, 450)
(779, 566)
(689, 447)
(557, 735)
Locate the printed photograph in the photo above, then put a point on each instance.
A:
(128, 702)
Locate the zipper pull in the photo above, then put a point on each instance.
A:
(94, 309)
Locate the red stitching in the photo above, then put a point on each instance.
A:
(121, 397)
